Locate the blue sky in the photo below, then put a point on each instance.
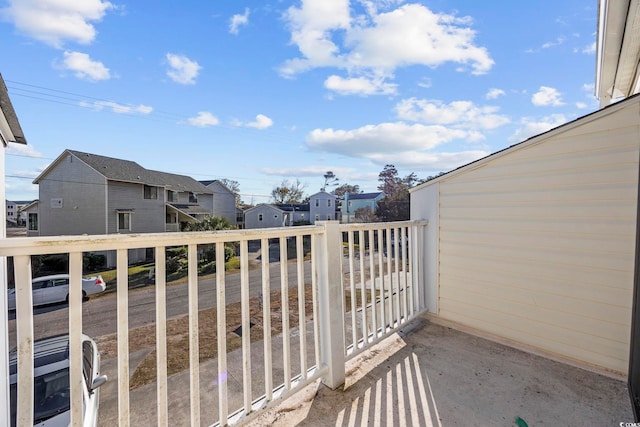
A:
(261, 91)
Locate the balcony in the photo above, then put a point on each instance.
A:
(339, 305)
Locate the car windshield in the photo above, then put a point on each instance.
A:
(51, 396)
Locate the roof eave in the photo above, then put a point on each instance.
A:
(10, 130)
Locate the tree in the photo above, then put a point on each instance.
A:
(346, 188)
(288, 192)
(210, 223)
(365, 215)
(396, 203)
(329, 179)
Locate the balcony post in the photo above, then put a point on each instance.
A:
(328, 271)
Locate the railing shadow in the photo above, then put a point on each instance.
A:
(382, 390)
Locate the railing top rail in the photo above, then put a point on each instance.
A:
(379, 225)
(84, 243)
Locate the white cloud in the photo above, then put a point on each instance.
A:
(430, 161)
(557, 42)
(590, 49)
(531, 127)
(461, 114)
(547, 96)
(581, 105)
(23, 150)
(203, 119)
(238, 20)
(118, 108)
(183, 70)
(315, 171)
(494, 93)
(384, 139)
(379, 43)
(56, 21)
(261, 122)
(359, 86)
(84, 67)
(401, 144)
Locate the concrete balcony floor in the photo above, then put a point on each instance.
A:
(432, 375)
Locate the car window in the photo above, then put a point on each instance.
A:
(40, 284)
(87, 363)
(59, 282)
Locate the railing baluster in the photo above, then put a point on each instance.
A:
(372, 279)
(246, 327)
(396, 263)
(390, 276)
(284, 306)
(404, 282)
(194, 333)
(75, 336)
(412, 266)
(161, 336)
(363, 289)
(383, 319)
(352, 288)
(222, 334)
(123, 336)
(314, 292)
(266, 319)
(302, 328)
(24, 336)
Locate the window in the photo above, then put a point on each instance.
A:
(124, 221)
(317, 203)
(150, 192)
(329, 202)
(329, 217)
(33, 222)
(317, 217)
(260, 217)
(172, 196)
(193, 198)
(350, 204)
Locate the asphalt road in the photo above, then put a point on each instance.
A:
(100, 312)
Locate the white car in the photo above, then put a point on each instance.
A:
(52, 289)
(52, 395)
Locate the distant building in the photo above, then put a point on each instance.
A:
(321, 207)
(15, 212)
(353, 202)
(224, 201)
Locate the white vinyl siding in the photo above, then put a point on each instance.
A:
(537, 244)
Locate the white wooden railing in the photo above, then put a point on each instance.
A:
(376, 267)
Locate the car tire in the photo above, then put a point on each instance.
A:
(84, 296)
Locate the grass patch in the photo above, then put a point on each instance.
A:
(178, 335)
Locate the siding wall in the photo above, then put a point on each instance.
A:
(82, 191)
(270, 217)
(148, 215)
(537, 244)
(224, 202)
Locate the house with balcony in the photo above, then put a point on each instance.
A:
(353, 202)
(84, 193)
(510, 298)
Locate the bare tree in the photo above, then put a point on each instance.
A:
(288, 192)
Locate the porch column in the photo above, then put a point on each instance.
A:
(328, 271)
